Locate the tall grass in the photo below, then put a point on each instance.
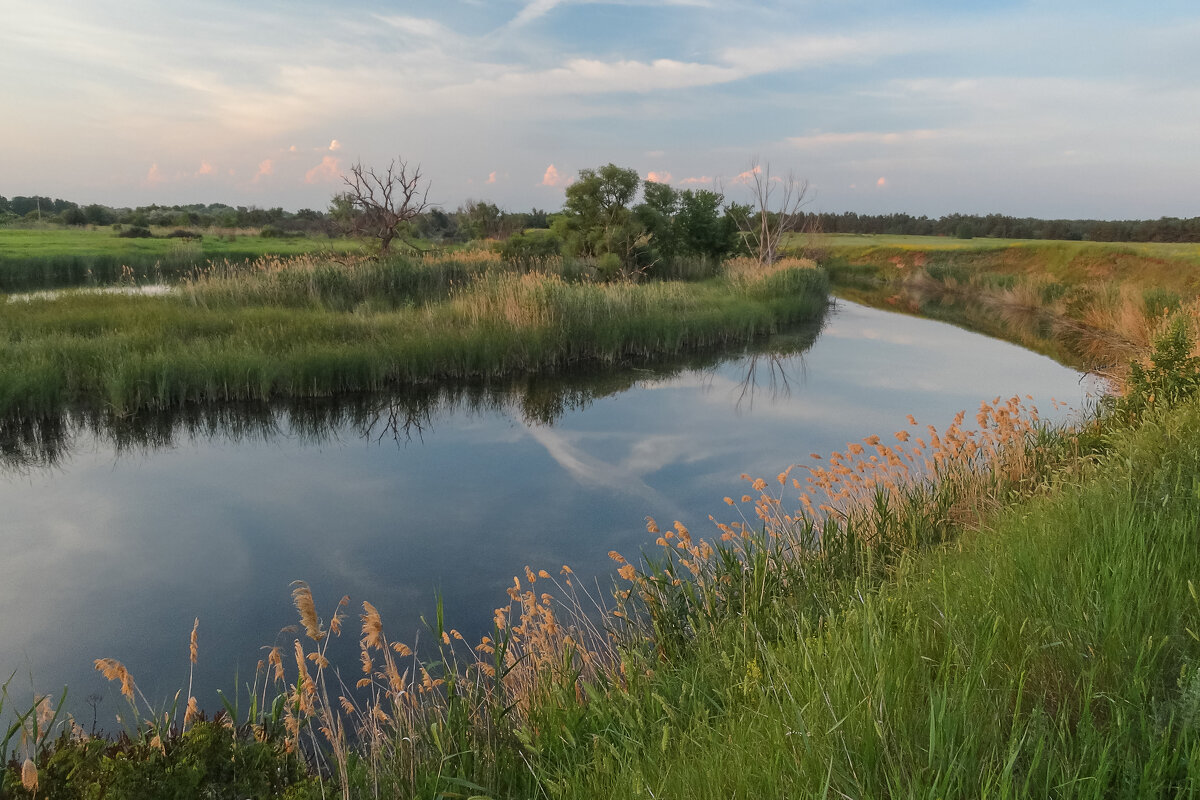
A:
(308, 330)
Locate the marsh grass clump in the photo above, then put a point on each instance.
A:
(305, 327)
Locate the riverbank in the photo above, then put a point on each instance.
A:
(1095, 306)
(1019, 625)
(307, 328)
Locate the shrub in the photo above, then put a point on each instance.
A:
(1172, 374)
(136, 232)
(530, 251)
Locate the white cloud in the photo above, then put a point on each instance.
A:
(335, 145)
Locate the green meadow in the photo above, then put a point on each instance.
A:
(47, 258)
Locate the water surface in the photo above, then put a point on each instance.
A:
(116, 536)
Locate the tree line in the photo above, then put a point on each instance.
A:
(1002, 226)
(477, 219)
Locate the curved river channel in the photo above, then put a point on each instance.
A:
(115, 537)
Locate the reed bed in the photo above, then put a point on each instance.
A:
(305, 328)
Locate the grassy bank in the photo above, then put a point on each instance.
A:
(993, 610)
(996, 609)
(1093, 305)
(309, 329)
(50, 258)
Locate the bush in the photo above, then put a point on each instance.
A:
(608, 266)
(136, 232)
(1172, 375)
(180, 233)
(530, 251)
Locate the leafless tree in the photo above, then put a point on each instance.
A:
(378, 203)
(774, 209)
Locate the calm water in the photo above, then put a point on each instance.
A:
(114, 539)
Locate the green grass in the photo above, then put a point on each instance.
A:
(319, 333)
(1048, 654)
(851, 241)
(42, 258)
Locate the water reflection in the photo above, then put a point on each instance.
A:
(47, 442)
(118, 532)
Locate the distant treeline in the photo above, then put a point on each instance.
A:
(472, 220)
(482, 220)
(1167, 229)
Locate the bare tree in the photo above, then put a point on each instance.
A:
(377, 203)
(773, 211)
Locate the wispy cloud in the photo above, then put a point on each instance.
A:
(658, 177)
(205, 169)
(491, 178)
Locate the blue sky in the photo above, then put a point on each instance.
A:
(1029, 108)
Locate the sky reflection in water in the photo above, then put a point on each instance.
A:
(114, 555)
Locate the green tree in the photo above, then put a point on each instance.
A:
(703, 229)
(596, 219)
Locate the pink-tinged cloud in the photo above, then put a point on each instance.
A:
(330, 169)
(552, 177)
(292, 149)
(205, 169)
(658, 177)
(491, 177)
(748, 175)
(881, 182)
(699, 179)
(154, 176)
(265, 168)
(335, 145)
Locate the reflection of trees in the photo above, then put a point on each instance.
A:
(28, 444)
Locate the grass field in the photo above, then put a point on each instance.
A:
(839, 242)
(47, 258)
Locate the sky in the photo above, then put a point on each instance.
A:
(1039, 108)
